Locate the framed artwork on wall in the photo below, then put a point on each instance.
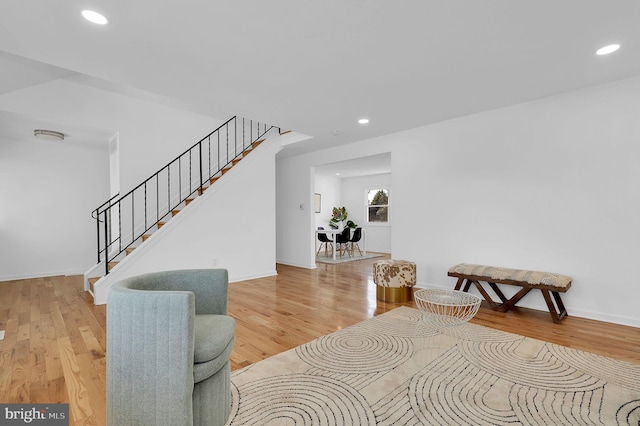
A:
(317, 198)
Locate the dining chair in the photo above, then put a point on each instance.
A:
(324, 240)
(355, 239)
(343, 241)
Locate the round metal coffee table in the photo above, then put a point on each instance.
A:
(445, 316)
(443, 309)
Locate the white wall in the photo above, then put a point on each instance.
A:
(150, 134)
(354, 198)
(231, 226)
(295, 227)
(47, 192)
(330, 189)
(551, 185)
(295, 184)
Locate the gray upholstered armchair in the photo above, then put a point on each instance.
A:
(168, 345)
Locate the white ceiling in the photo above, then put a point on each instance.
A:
(364, 166)
(316, 67)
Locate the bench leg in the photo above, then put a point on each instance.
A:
(561, 308)
(515, 298)
(506, 304)
(484, 293)
(497, 290)
(556, 316)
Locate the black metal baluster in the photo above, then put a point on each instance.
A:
(145, 206)
(119, 226)
(106, 244)
(190, 172)
(98, 229)
(200, 162)
(133, 217)
(157, 199)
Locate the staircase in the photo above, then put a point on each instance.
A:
(124, 223)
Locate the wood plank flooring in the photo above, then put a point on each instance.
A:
(53, 349)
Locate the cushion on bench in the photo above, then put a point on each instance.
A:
(533, 278)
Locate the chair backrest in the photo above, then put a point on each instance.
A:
(357, 235)
(323, 237)
(211, 286)
(344, 237)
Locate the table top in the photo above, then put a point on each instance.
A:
(328, 231)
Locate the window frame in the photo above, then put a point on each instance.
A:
(368, 206)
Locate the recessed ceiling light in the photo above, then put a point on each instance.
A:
(607, 49)
(94, 17)
(363, 121)
(48, 134)
(337, 174)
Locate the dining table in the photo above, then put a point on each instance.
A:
(331, 233)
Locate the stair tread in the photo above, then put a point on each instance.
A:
(92, 281)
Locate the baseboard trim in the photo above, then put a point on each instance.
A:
(67, 273)
(297, 265)
(234, 279)
(572, 311)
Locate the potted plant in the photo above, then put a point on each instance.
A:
(338, 216)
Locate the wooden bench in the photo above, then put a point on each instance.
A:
(549, 284)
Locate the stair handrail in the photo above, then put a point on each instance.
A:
(107, 210)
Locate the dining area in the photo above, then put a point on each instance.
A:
(345, 242)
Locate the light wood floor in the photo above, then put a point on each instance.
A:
(54, 345)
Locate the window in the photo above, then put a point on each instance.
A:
(378, 206)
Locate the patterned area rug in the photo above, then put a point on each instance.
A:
(396, 370)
